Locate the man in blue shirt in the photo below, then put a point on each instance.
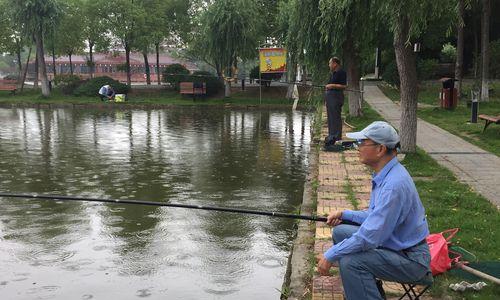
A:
(390, 242)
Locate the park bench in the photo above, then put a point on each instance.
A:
(193, 88)
(489, 120)
(8, 85)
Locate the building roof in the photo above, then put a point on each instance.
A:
(117, 58)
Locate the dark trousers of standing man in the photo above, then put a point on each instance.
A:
(334, 102)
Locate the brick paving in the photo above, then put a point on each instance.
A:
(337, 170)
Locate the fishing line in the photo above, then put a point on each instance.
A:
(265, 80)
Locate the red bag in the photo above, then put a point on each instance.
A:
(438, 245)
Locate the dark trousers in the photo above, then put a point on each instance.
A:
(334, 103)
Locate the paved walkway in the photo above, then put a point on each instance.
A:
(471, 164)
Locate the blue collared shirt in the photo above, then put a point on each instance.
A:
(395, 219)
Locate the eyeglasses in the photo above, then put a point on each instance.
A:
(359, 143)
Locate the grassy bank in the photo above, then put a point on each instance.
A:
(143, 96)
(451, 204)
(457, 121)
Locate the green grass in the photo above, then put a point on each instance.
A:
(451, 204)
(456, 121)
(142, 97)
(428, 92)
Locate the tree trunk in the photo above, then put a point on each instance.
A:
(146, 65)
(53, 59)
(41, 63)
(35, 81)
(19, 62)
(405, 59)
(127, 57)
(353, 62)
(70, 64)
(158, 75)
(227, 90)
(292, 76)
(460, 47)
(91, 57)
(476, 51)
(485, 45)
(25, 70)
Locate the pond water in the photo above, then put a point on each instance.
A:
(252, 159)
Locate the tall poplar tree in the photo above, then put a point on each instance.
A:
(35, 17)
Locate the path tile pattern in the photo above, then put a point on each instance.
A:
(472, 165)
(341, 177)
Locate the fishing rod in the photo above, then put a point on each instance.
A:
(178, 205)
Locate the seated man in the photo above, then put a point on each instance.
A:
(390, 242)
(106, 92)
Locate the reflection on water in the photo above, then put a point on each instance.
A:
(201, 156)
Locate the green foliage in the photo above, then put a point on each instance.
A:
(11, 77)
(228, 31)
(254, 73)
(66, 79)
(495, 59)
(96, 23)
(448, 53)
(390, 73)
(35, 15)
(67, 35)
(214, 84)
(427, 69)
(174, 74)
(91, 87)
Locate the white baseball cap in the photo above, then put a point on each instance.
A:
(380, 132)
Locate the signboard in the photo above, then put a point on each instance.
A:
(272, 60)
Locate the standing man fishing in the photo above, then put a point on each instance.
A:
(334, 98)
(390, 242)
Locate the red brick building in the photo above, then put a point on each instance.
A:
(110, 64)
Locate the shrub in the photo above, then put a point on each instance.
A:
(66, 79)
(427, 69)
(495, 59)
(390, 73)
(448, 53)
(11, 77)
(214, 83)
(254, 73)
(174, 74)
(91, 87)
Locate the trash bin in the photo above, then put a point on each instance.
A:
(448, 96)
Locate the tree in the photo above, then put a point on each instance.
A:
(69, 39)
(460, 45)
(35, 16)
(95, 26)
(124, 24)
(12, 39)
(485, 46)
(287, 30)
(228, 31)
(348, 26)
(407, 20)
(164, 19)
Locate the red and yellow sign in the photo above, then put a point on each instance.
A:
(272, 60)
